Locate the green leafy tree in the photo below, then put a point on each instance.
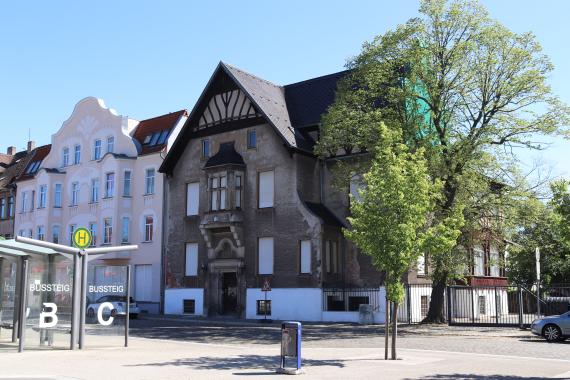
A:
(388, 223)
(460, 86)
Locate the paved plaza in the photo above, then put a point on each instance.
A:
(165, 348)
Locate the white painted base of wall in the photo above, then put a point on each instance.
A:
(174, 300)
(302, 304)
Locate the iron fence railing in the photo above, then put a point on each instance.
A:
(350, 299)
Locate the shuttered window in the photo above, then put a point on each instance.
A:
(265, 249)
(192, 198)
(191, 259)
(266, 189)
(305, 256)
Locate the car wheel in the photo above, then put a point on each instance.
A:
(90, 313)
(552, 333)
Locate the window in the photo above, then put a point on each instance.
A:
(239, 186)
(265, 251)
(424, 304)
(125, 227)
(251, 139)
(127, 184)
(108, 230)
(42, 196)
(57, 195)
(93, 230)
(205, 148)
(218, 193)
(356, 184)
(192, 198)
(263, 307)
(191, 259)
(265, 189)
(65, 157)
(422, 265)
(354, 302)
(97, 149)
(331, 257)
(11, 207)
(30, 233)
(77, 155)
(21, 233)
(110, 144)
(148, 228)
(149, 181)
(33, 200)
(24, 202)
(95, 190)
(72, 228)
(2, 208)
(305, 258)
(189, 306)
(55, 234)
(41, 233)
(74, 194)
(109, 185)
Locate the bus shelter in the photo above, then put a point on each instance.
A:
(43, 295)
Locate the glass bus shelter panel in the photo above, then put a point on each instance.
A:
(49, 303)
(8, 278)
(106, 305)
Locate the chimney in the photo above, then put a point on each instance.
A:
(31, 146)
(11, 150)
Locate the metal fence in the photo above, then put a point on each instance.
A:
(348, 299)
(416, 302)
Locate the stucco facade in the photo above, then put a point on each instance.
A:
(95, 175)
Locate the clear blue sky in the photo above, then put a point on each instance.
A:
(146, 58)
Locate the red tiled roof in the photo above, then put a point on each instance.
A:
(38, 154)
(156, 124)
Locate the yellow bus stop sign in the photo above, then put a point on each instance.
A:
(82, 238)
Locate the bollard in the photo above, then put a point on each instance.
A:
(290, 348)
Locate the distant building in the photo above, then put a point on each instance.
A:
(101, 172)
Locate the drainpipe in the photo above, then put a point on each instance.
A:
(165, 185)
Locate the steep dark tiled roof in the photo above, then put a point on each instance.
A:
(308, 100)
(324, 214)
(37, 154)
(227, 155)
(15, 168)
(148, 127)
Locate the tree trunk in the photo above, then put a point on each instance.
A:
(394, 329)
(387, 330)
(435, 313)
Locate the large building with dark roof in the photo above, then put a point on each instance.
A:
(249, 206)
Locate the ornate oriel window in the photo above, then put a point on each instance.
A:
(225, 179)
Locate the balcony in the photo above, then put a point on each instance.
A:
(487, 281)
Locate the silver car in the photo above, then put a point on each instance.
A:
(554, 328)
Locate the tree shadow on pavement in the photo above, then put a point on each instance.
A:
(465, 376)
(237, 362)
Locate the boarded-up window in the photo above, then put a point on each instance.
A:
(266, 192)
(306, 256)
(265, 249)
(191, 259)
(192, 198)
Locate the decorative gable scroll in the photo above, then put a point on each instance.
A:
(227, 106)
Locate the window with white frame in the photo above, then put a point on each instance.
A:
(192, 198)
(266, 189)
(148, 228)
(218, 192)
(191, 259)
(2, 208)
(109, 185)
(94, 190)
(55, 232)
(57, 195)
(11, 207)
(74, 193)
(72, 228)
(107, 231)
(33, 200)
(305, 256)
(239, 190)
(127, 184)
(125, 230)
(41, 233)
(205, 148)
(110, 144)
(42, 196)
(97, 149)
(24, 207)
(149, 181)
(93, 231)
(77, 155)
(65, 157)
(251, 139)
(265, 253)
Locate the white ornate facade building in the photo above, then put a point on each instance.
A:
(101, 173)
